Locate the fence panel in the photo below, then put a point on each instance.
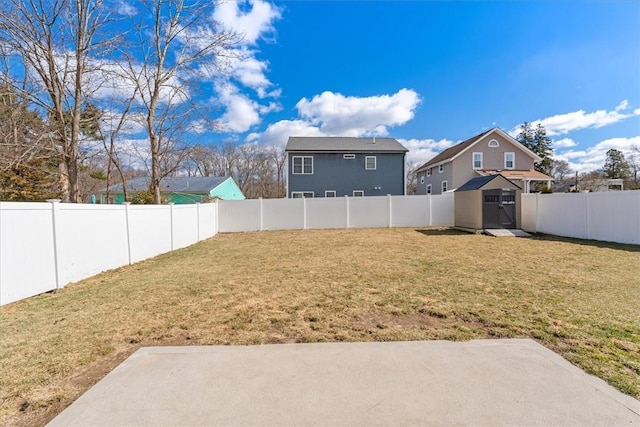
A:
(442, 210)
(528, 209)
(366, 212)
(207, 220)
(184, 225)
(327, 212)
(410, 211)
(27, 257)
(614, 216)
(149, 231)
(282, 214)
(238, 215)
(90, 239)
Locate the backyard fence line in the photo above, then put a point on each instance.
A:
(45, 246)
(340, 212)
(612, 216)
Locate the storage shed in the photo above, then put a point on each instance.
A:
(488, 202)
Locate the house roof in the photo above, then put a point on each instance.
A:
(343, 144)
(480, 181)
(453, 152)
(179, 184)
(529, 175)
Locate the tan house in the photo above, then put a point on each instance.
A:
(492, 152)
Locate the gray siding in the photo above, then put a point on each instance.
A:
(436, 179)
(331, 171)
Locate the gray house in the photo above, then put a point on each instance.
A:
(489, 153)
(342, 166)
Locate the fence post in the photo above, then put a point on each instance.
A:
(55, 205)
(171, 221)
(389, 210)
(346, 204)
(216, 223)
(261, 214)
(128, 226)
(430, 211)
(587, 226)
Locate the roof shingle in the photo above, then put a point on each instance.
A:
(343, 144)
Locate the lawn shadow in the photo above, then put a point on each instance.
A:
(442, 232)
(584, 242)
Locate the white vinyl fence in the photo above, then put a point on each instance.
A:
(44, 246)
(612, 216)
(341, 212)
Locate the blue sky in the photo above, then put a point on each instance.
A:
(433, 73)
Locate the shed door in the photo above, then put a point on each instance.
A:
(499, 208)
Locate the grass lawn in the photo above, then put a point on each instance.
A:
(578, 298)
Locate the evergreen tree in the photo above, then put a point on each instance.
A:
(525, 137)
(537, 141)
(615, 166)
(542, 147)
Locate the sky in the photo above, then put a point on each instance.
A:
(434, 73)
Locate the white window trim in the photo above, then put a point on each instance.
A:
(293, 165)
(493, 143)
(473, 160)
(358, 191)
(349, 156)
(421, 179)
(327, 192)
(429, 189)
(307, 194)
(513, 161)
(441, 168)
(366, 163)
(429, 172)
(444, 186)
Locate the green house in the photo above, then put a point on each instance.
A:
(180, 190)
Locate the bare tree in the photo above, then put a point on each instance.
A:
(55, 40)
(177, 44)
(560, 169)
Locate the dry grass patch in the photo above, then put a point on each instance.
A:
(578, 298)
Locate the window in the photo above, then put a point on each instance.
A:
(429, 172)
(358, 193)
(349, 156)
(428, 188)
(440, 168)
(493, 143)
(370, 162)
(477, 160)
(302, 165)
(509, 160)
(492, 198)
(421, 179)
(330, 193)
(444, 186)
(301, 194)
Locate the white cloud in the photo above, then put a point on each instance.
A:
(562, 124)
(278, 133)
(564, 143)
(240, 112)
(423, 150)
(253, 19)
(594, 157)
(331, 114)
(336, 114)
